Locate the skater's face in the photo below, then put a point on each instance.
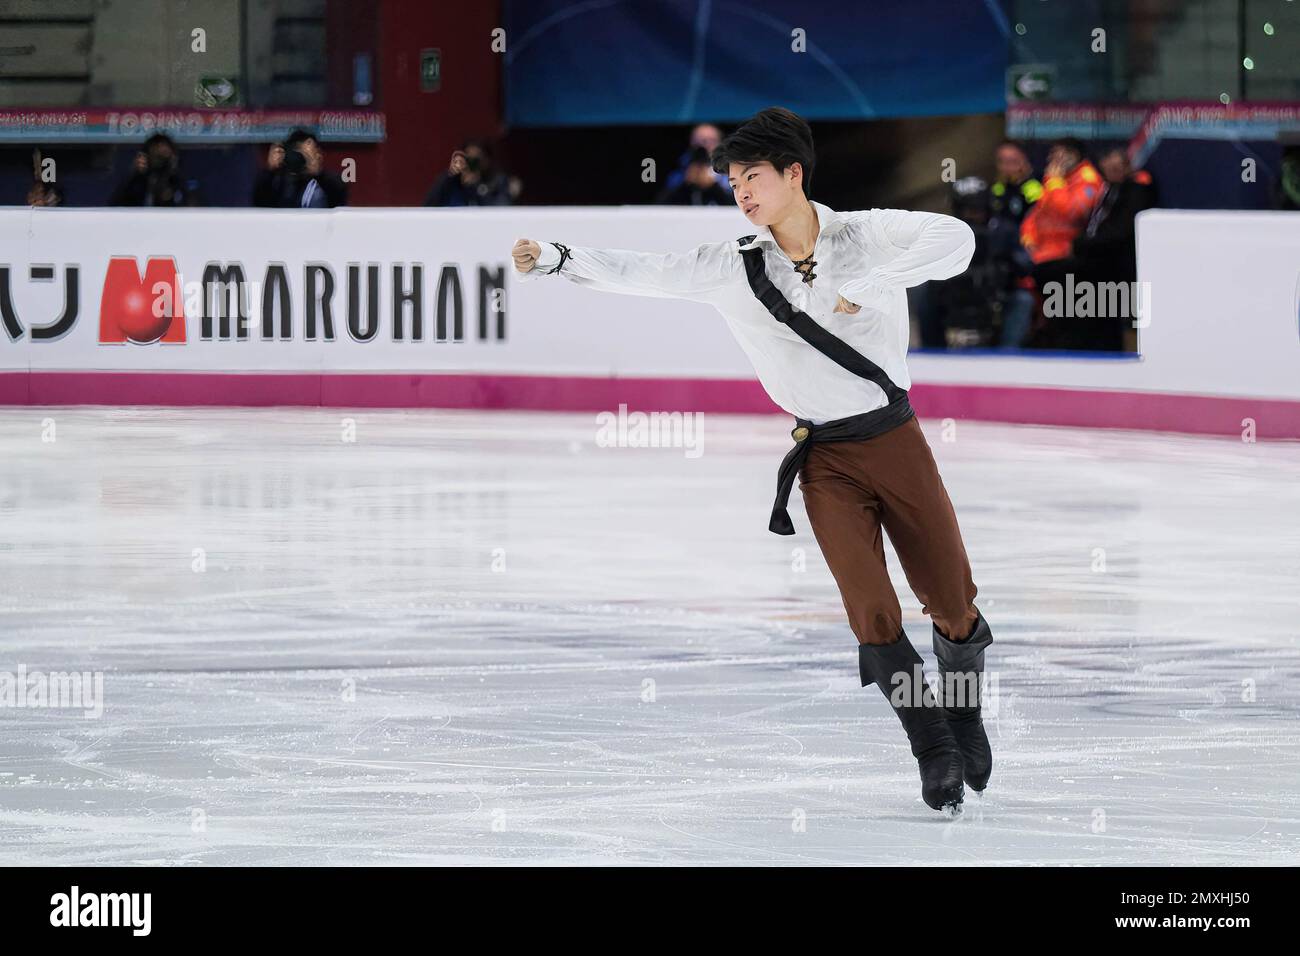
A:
(764, 193)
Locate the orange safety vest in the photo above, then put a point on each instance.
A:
(1061, 214)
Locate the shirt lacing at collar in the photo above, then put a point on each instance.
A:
(830, 221)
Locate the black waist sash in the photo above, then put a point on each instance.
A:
(855, 427)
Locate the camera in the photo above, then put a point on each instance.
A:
(295, 163)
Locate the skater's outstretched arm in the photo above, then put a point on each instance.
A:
(911, 247)
(695, 274)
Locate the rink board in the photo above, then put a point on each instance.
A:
(419, 308)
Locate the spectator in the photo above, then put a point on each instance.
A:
(1287, 194)
(959, 311)
(42, 193)
(295, 177)
(1107, 250)
(1108, 244)
(706, 136)
(1015, 190)
(473, 179)
(155, 178)
(1071, 188)
(699, 187)
(1011, 197)
(974, 308)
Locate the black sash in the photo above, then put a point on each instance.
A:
(855, 427)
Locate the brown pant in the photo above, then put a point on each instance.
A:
(853, 489)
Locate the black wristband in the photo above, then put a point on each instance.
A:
(564, 257)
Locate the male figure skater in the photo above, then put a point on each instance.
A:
(816, 299)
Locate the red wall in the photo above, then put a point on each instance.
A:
(423, 128)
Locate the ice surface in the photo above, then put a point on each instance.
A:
(565, 653)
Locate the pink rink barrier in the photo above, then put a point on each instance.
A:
(1091, 408)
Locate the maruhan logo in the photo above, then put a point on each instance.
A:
(102, 909)
(139, 307)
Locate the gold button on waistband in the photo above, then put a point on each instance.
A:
(800, 433)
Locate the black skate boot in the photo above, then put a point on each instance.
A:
(933, 744)
(960, 665)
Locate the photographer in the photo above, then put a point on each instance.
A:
(41, 192)
(473, 179)
(1286, 192)
(699, 186)
(155, 178)
(979, 307)
(44, 194)
(295, 177)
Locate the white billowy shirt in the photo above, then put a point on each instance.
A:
(868, 257)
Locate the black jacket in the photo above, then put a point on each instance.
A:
(147, 189)
(448, 190)
(1108, 247)
(277, 189)
(688, 194)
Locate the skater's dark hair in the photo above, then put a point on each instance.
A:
(774, 135)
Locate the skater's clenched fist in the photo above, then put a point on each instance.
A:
(844, 305)
(526, 253)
